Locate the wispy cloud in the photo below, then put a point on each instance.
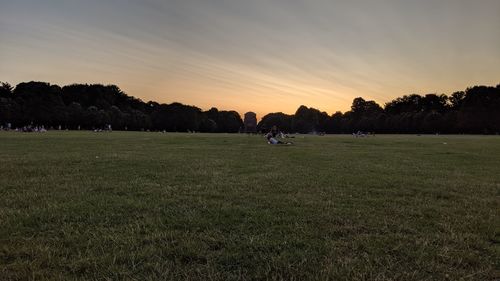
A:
(254, 55)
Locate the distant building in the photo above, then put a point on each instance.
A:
(250, 122)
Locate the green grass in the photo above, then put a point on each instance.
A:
(152, 206)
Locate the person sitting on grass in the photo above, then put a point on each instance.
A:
(272, 137)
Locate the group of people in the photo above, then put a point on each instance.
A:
(274, 134)
(26, 129)
(360, 134)
(107, 128)
(7, 127)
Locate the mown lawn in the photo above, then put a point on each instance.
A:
(153, 206)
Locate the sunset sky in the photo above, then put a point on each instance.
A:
(258, 55)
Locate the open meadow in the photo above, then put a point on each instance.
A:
(153, 206)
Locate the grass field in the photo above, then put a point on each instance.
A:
(152, 206)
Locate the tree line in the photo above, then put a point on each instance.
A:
(81, 106)
(473, 111)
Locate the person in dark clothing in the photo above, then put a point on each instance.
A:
(272, 136)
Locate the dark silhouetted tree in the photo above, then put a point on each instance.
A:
(280, 120)
(475, 110)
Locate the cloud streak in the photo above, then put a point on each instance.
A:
(254, 55)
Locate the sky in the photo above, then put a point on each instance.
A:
(254, 55)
